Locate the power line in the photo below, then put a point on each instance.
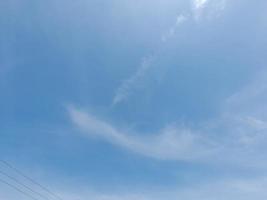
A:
(30, 179)
(18, 189)
(22, 184)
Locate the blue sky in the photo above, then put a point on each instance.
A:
(111, 100)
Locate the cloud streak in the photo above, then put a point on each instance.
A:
(171, 32)
(171, 143)
(198, 7)
(237, 135)
(127, 86)
(201, 8)
(240, 142)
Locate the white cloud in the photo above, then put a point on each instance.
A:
(198, 9)
(237, 135)
(170, 33)
(171, 143)
(225, 140)
(210, 8)
(199, 4)
(251, 100)
(128, 85)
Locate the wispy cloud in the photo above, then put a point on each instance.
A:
(171, 32)
(240, 140)
(248, 108)
(200, 4)
(243, 124)
(198, 7)
(128, 85)
(171, 143)
(203, 7)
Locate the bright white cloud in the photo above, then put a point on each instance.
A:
(198, 7)
(200, 4)
(212, 9)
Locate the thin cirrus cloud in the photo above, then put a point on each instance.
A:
(202, 7)
(171, 143)
(241, 137)
(171, 32)
(237, 135)
(198, 7)
(129, 85)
